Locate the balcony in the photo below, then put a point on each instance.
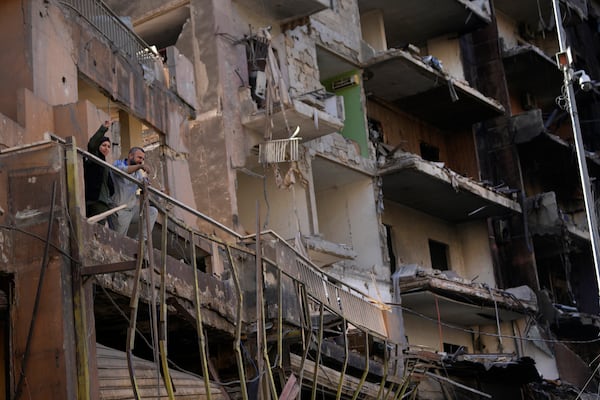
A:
(286, 10)
(414, 21)
(406, 81)
(436, 190)
(541, 79)
(458, 300)
(314, 120)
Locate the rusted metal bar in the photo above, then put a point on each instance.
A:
(385, 370)
(363, 378)
(269, 372)
(38, 295)
(306, 328)
(145, 223)
(133, 306)
(345, 365)
(279, 320)
(259, 301)
(163, 310)
(108, 268)
(238, 327)
(318, 357)
(199, 325)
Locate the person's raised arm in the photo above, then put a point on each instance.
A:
(96, 140)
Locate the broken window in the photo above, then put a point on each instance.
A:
(439, 255)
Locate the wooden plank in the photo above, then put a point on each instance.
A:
(115, 384)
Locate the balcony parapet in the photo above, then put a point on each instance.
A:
(461, 301)
(436, 190)
(426, 91)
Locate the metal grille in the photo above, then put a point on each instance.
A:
(280, 150)
(356, 310)
(110, 25)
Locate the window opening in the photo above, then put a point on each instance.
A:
(439, 255)
(430, 152)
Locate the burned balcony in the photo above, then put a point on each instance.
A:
(286, 10)
(420, 87)
(545, 217)
(414, 21)
(540, 83)
(551, 175)
(436, 190)
(460, 301)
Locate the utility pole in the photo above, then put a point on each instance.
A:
(588, 197)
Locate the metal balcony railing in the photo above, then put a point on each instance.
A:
(112, 27)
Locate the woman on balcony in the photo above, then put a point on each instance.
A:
(99, 185)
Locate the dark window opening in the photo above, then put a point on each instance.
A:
(439, 255)
(430, 152)
(451, 348)
(390, 248)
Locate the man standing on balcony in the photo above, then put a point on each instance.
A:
(126, 192)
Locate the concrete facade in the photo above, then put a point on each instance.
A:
(353, 196)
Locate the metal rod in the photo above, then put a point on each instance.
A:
(345, 365)
(163, 312)
(279, 320)
(588, 197)
(199, 324)
(385, 370)
(363, 378)
(318, 357)
(145, 223)
(238, 326)
(133, 306)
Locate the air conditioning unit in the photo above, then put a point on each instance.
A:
(348, 81)
(334, 106)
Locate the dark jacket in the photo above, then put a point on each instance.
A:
(95, 174)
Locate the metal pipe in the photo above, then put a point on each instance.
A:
(385, 370)
(133, 306)
(345, 365)
(163, 312)
(363, 378)
(588, 197)
(318, 357)
(238, 326)
(145, 224)
(199, 326)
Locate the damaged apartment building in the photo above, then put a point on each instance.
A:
(374, 199)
